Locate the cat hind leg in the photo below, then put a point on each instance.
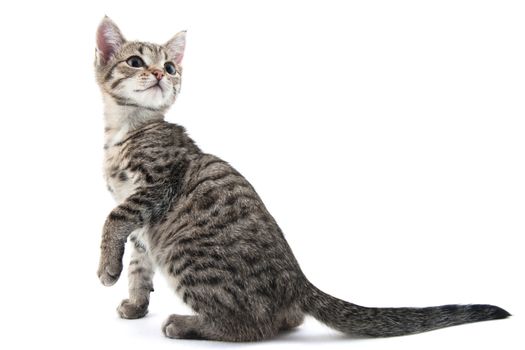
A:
(199, 327)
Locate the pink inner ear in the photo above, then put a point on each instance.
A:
(178, 57)
(109, 40)
(176, 46)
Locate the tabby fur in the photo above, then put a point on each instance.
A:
(194, 218)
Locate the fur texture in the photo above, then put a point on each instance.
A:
(194, 218)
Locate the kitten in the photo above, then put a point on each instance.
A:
(196, 219)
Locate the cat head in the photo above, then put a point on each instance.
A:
(136, 74)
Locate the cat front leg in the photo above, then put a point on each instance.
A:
(140, 281)
(124, 219)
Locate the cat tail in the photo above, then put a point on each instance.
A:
(389, 322)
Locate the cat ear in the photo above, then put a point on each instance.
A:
(176, 46)
(109, 40)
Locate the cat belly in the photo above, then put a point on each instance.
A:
(173, 282)
(140, 238)
(159, 258)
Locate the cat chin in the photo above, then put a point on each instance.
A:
(151, 98)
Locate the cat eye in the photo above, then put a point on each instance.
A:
(170, 68)
(135, 62)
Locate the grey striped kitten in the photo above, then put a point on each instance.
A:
(192, 216)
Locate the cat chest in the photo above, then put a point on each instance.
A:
(120, 180)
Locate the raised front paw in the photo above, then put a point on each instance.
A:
(129, 310)
(109, 270)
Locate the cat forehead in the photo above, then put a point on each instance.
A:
(153, 52)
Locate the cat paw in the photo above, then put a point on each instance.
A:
(130, 311)
(180, 327)
(109, 271)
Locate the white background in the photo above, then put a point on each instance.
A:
(386, 137)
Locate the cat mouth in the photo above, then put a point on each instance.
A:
(154, 86)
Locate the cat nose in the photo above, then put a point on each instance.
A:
(157, 73)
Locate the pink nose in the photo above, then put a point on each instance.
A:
(157, 73)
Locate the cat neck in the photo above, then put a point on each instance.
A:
(120, 120)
